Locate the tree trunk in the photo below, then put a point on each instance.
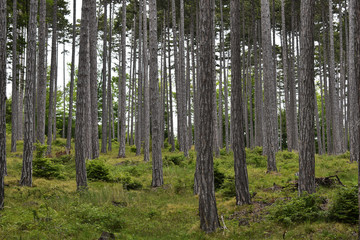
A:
(157, 173)
(52, 77)
(104, 90)
(14, 95)
(81, 98)
(122, 85)
(146, 88)
(336, 122)
(269, 89)
(220, 131)
(306, 99)
(3, 37)
(93, 27)
(171, 138)
(26, 174)
(64, 95)
(353, 81)
(342, 81)
(209, 220)
(241, 176)
(109, 90)
(72, 76)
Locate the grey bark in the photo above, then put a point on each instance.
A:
(269, 89)
(353, 82)
(93, 26)
(336, 122)
(171, 137)
(157, 173)
(81, 98)
(222, 69)
(64, 95)
(14, 95)
(26, 173)
(3, 16)
(306, 99)
(241, 176)
(146, 88)
(72, 76)
(209, 220)
(104, 89)
(122, 86)
(52, 77)
(133, 83)
(109, 90)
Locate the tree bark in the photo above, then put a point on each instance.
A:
(306, 99)
(209, 220)
(146, 88)
(52, 77)
(81, 98)
(353, 81)
(104, 89)
(241, 176)
(93, 27)
(3, 16)
(269, 89)
(109, 90)
(122, 86)
(26, 174)
(157, 173)
(14, 95)
(72, 76)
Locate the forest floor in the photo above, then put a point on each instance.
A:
(123, 202)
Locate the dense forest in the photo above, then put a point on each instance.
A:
(179, 119)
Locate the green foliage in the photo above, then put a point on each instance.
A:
(219, 178)
(297, 210)
(130, 183)
(224, 153)
(228, 187)
(256, 160)
(59, 142)
(45, 167)
(345, 207)
(101, 218)
(97, 171)
(174, 160)
(133, 149)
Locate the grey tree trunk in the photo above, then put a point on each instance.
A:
(337, 125)
(109, 90)
(226, 96)
(241, 176)
(14, 95)
(26, 173)
(157, 172)
(146, 88)
(138, 129)
(209, 220)
(269, 89)
(52, 77)
(3, 16)
(171, 138)
(342, 81)
(353, 82)
(122, 86)
(93, 26)
(104, 89)
(306, 99)
(81, 98)
(64, 95)
(133, 84)
(222, 69)
(72, 76)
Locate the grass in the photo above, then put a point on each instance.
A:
(52, 209)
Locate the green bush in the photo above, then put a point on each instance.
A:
(97, 170)
(59, 142)
(174, 160)
(102, 218)
(299, 209)
(166, 143)
(345, 207)
(130, 183)
(228, 187)
(219, 178)
(255, 150)
(288, 155)
(64, 159)
(256, 160)
(45, 167)
(133, 149)
(224, 153)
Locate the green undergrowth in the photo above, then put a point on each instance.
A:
(120, 198)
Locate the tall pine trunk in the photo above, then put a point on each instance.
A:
(14, 95)
(104, 89)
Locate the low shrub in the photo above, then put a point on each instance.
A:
(297, 210)
(345, 207)
(44, 167)
(174, 160)
(129, 183)
(256, 160)
(219, 178)
(59, 142)
(228, 187)
(133, 149)
(97, 171)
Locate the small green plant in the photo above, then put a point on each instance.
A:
(45, 167)
(224, 153)
(59, 142)
(219, 178)
(297, 210)
(130, 183)
(228, 187)
(133, 149)
(98, 171)
(174, 160)
(345, 207)
(256, 160)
